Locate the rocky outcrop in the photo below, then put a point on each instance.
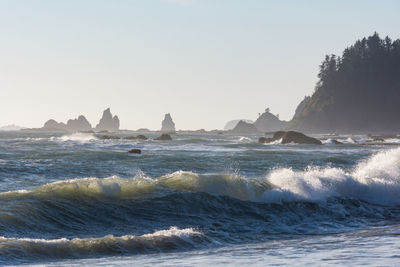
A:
(108, 122)
(164, 137)
(79, 124)
(291, 137)
(11, 127)
(107, 137)
(168, 125)
(268, 122)
(52, 125)
(230, 125)
(137, 137)
(244, 127)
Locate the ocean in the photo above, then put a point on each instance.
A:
(200, 199)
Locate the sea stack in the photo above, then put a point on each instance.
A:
(245, 128)
(108, 122)
(79, 124)
(268, 122)
(53, 125)
(168, 125)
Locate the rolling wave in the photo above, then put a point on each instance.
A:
(159, 241)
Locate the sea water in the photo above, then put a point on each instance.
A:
(200, 199)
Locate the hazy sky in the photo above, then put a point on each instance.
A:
(204, 61)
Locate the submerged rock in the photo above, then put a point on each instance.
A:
(168, 125)
(164, 137)
(336, 142)
(108, 122)
(135, 151)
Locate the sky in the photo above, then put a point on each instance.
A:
(204, 61)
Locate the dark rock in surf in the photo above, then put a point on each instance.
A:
(135, 151)
(108, 137)
(164, 137)
(299, 138)
(336, 142)
(291, 137)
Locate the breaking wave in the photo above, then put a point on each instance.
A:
(374, 180)
(77, 137)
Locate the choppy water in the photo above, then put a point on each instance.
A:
(200, 199)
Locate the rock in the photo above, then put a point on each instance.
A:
(278, 135)
(143, 130)
(230, 125)
(336, 142)
(378, 139)
(299, 138)
(108, 137)
(53, 125)
(244, 127)
(79, 124)
(108, 122)
(164, 137)
(291, 137)
(138, 137)
(268, 122)
(168, 125)
(135, 151)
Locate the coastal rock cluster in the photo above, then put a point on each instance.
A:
(266, 122)
(81, 124)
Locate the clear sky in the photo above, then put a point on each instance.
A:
(203, 61)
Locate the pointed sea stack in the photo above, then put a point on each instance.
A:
(168, 125)
(108, 122)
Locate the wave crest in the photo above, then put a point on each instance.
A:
(163, 240)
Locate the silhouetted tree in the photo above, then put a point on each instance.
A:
(359, 91)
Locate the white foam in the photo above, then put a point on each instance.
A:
(375, 180)
(77, 137)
